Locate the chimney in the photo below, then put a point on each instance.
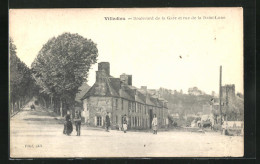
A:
(100, 76)
(126, 79)
(105, 66)
(129, 79)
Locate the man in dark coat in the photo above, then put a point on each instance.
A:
(77, 121)
(107, 122)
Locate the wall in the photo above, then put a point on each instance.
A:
(119, 110)
(97, 106)
(138, 114)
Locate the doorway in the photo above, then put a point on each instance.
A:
(151, 117)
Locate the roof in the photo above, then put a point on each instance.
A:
(82, 91)
(112, 87)
(102, 89)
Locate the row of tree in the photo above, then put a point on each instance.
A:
(21, 84)
(60, 68)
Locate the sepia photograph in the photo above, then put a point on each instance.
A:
(126, 82)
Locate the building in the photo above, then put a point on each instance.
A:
(228, 93)
(118, 97)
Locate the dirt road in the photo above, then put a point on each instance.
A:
(39, 134)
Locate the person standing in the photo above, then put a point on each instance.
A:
(154, 124)
(225, 128)
(107, 122)
(77, 121)
(68, 128)
(125, 123)
(32, 107)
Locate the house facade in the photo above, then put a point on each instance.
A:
(118, 97)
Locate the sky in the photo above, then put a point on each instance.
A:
(174, 53)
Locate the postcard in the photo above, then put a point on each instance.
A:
(126, 82)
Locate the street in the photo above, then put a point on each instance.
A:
(39, 134)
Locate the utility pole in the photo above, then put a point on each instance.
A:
(220, 94)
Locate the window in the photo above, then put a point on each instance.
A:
(133, 107)
(116, 103)
(122, 104)
(99, 121)
(116, 119)
(129, 105)
(139, 108)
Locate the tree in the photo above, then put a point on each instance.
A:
(20, 77)
(62, 66)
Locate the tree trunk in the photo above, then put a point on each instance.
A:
(45, 105)
(61, 113)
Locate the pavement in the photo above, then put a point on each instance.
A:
(38, 134)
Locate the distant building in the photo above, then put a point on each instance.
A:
(228, 101)
(213, 94)
(118, 97)
(228, 93)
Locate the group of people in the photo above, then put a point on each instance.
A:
(107, 123)
(68, 127)
(154, 123)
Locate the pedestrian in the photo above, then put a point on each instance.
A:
(68, 128)
(77, 121)
(224, 128)
(154, 124)
(125, 123)
(32, 107)
(107, 122)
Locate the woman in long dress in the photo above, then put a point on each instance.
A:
(68, 128)
(154, 124)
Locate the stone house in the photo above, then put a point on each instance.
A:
(118, 97)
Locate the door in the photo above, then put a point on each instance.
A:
(151, 117)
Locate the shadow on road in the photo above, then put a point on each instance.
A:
(44, 120)
(43, 113)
